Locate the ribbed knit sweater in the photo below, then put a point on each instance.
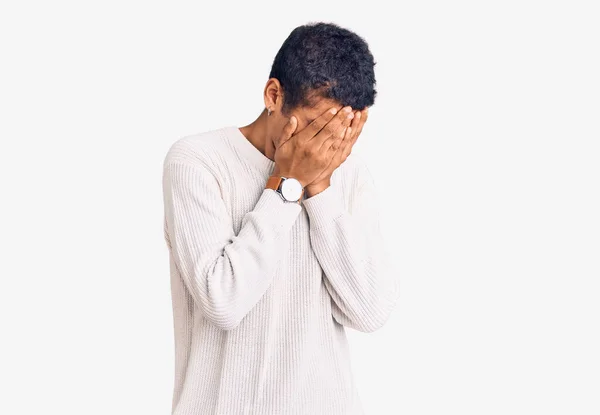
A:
(262, 289)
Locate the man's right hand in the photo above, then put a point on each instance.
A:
(306, 154)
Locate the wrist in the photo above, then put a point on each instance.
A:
(280, 173)
(316, 188)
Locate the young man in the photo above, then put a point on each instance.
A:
(274, 241)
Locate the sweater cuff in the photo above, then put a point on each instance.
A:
(281, 213)
(324, 207)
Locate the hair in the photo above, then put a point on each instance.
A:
(324, 60)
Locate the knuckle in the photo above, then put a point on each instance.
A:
(329, 129)
(318, 124)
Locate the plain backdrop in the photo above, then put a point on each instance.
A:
(484, 141)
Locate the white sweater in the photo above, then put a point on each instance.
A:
(261, 288)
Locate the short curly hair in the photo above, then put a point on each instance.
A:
(324, 60)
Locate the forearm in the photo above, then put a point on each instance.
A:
(226, 274)
(351, 253)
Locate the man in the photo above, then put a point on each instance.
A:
(274, 241)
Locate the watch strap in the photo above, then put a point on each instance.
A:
(274, 182)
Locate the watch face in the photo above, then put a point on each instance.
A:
(291, 189)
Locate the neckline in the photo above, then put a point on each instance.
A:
(248, 150)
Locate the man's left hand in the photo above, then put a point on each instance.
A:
(351, 134)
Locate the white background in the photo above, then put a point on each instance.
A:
(484, 140)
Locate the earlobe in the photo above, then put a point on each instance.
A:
(273, 94)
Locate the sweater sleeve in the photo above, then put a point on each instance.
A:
(226, 274)
(348, 243)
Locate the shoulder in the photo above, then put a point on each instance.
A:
(204, 148)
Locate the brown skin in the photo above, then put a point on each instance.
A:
(307, 153)
(309, 143)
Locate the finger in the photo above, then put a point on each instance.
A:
(288, 131)
(364, 116)
(347, 152)
(345, 136)
(335, 141)
(348, 143)
(356, 120)
(317, 125)
(333, 132)
(349, 134)
(338, 156)
(342, 118)
(339, 141)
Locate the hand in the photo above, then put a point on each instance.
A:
(351, 134)
(306, 154)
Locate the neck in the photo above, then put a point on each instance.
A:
(256, 133)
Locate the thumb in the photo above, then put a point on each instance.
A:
(288, 130)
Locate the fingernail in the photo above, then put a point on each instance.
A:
(333, 110)
(347, 109)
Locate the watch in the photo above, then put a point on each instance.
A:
(289, 189)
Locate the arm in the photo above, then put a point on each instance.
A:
(226, 274)
(348, 244)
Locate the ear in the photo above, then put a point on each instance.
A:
(273, 95)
